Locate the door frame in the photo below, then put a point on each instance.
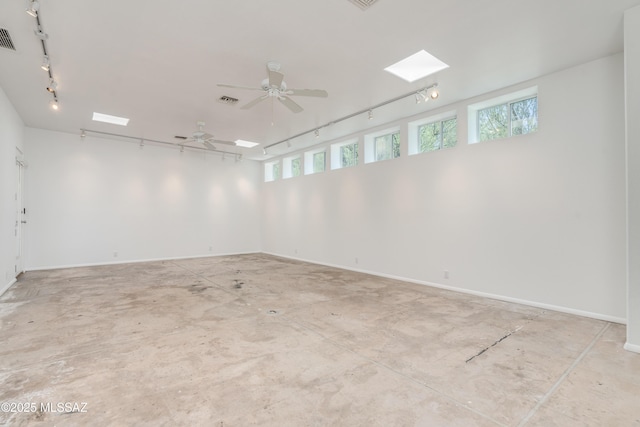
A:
(20, 213)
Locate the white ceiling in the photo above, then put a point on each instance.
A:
(159, 63)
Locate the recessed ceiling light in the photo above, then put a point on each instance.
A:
(247, 144)
(417, 66)
(99, 117)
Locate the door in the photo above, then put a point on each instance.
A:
(20, 212)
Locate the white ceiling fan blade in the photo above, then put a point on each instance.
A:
(275, 79)
(308, 92)
(209, 145)
(254, 102)
(241, 87)
(206, 136)
(218, 141)
(290, 104)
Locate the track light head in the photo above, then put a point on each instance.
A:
(54, 105)
(52, 86)
(427, 93)
(33, 8)
(421, 96)
(317, 133)
(370, 114)
(433, 92)
(83, 134)
(264, 151)
(45, 63)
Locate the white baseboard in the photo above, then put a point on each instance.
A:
(568, 310)
(632, 347)
(6, 287)
(133, 261)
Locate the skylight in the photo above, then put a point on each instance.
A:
(247, 144)
(99, 117)
(416, 66)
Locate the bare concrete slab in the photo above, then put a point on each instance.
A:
(260, 340)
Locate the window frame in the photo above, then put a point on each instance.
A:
(511, 114)
(272, 171)
(336, 153)
(309, 161)
(287, 167)
(507, 99)
(414, 131)
(370, 149)
(508, 104)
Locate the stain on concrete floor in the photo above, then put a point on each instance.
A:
(261, 340)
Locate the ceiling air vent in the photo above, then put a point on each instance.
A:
(227, 100)
(5, 39)
(363, 4)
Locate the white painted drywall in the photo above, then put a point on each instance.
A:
(632, 97)
(11, 136)
(88, 198)
(537, 218)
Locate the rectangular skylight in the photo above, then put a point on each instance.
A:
(247, 144)
(99, 117)
(417, 66)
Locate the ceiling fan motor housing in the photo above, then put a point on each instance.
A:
(267, 87)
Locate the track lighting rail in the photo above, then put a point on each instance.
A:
(432, 89)
(141, 141)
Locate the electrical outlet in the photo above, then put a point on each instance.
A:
(295, 251)
(115, 254)
(356, 260)
(210, 248)
(446, 274)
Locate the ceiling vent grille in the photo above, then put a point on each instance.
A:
(363, 4)
(227, 100)
(5, 39)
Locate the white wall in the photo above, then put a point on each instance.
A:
(11, 136)
(632, 97)
(87, 199)
(537, 218)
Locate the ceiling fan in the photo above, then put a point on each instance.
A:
(275, 88)
(201, 137)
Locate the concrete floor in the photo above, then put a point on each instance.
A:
(259, 340)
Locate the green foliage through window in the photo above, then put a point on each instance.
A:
(387, 146)
(437, 135)
(513, 118)
(524, 116)
(318, 162)
(348, 155)
(296, 167)
(276, 171)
